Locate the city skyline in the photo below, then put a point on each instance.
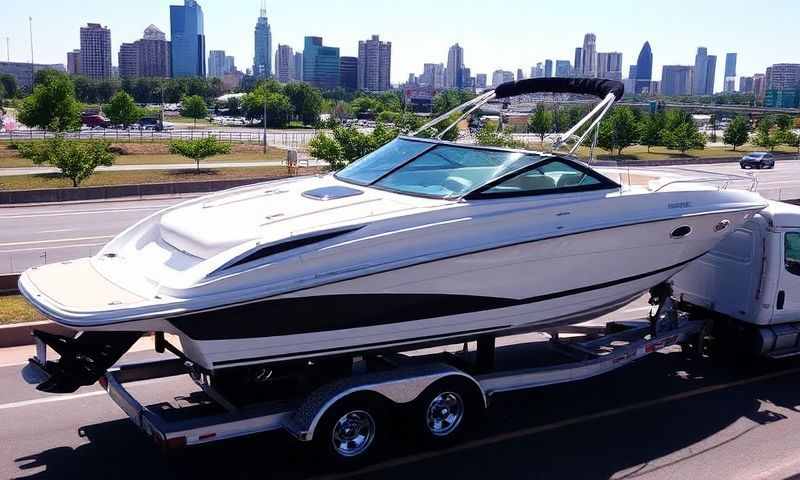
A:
(673, 43)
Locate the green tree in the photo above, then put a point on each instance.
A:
(447, 100)
(324, 147)
(619, 131)
(122, 110)
(737, 133)
(279, 108)
(541, 122)
(10, 84)
(365, 104)
(684, 137)
(493, 136)
(650, 130)
(200, 149)
(76, 160)
(233, 106)
(348, 144)
(194, 106)
(792, 139)
(306, 101)
(52, 105)
(765, 137)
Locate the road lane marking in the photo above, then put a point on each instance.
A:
(57, 247)
(64, 398)
(525, 432)
(639, 309)
(84, 212)
(61, 240)
(62, 230)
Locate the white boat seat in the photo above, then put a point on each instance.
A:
(568, 180)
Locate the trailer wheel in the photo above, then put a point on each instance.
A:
(350, 432)
(446, 410)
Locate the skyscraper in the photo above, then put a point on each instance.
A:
(563, 68)
(730, 73)
(537, 71)
(298, 66)
(501, 76)
(95, 51)
(590, 55)
(216, 63)
(154, 53)
(548, 68)
(320, 64)
(455, 62)
(644, 70)
(374, 65)
(609, 65)
(520, 75)
(262, 62)
(783, 86)
(676, 80)
(745, 84)
(284, 64)
(74, 62)
(480, 80)
(701, 69)
(759, 85)
(230, 64)
(188, 49)
(348, 75)
(578, 71)
(711, 72)
(128, 60)
(432, 75)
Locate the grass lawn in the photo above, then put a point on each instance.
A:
(15, 309)
(53, 180)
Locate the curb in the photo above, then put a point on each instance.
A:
(19, 335)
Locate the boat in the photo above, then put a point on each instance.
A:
(421, 242)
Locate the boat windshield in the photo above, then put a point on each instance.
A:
(433, 170)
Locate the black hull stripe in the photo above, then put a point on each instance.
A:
(323, 313)
(369, 346)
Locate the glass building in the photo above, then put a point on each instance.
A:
(188, 40)
(321, 64)
(262, 62)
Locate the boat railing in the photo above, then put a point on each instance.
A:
(660, 179)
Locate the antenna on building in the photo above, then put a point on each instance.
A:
(263, 8)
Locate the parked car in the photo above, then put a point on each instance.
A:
(149, 123)
(95, 120)
(758, 160)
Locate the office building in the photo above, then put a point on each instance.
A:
(644, 70)
(216, 63)
(284, 64)
(188, 40)
(520, 75)
(96, 51)
(320, 64)
(262, 61)
(154, 54)
(501, 76)
(609, 65)
(455, 63)
(677, 80)
(730, 73)
(298, 66)
(705, 67)
(563, 68)
(230, 64)
(578, 71)
(783, 86)
(374, 65)
(24, 72)
(745, 84)
(432, 75)
(128, 60)
(590, 55)
(537, 71)
(480, 80)
(74, 62)
(548, 68)
(348, 73)
(759, 85)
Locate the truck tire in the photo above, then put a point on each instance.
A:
(351, 431)
(447, 410)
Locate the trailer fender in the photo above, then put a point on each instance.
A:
(400, 386)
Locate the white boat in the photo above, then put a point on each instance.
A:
(420, 242)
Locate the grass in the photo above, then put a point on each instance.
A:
(15, 309)
(53, 180)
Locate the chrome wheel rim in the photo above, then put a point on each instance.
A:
(353, 433)
(444, 413)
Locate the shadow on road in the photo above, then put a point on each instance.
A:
(616, 425)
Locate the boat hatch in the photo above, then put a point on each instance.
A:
(331, 193)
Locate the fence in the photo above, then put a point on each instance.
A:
(286, 139)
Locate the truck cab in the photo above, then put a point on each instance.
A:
(752, 277)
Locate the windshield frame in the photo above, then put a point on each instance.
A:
(475, 193)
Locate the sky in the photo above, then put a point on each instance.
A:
(499, 34)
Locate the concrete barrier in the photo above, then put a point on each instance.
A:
(8, 283)
(13, 197)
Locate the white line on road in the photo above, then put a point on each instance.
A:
(58, 247)
(64, 398)
(639, 309)
(60, 240)
(56, 231)
(83, 212)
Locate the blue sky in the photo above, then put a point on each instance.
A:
(506, 34)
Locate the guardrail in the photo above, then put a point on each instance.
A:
(291, 139)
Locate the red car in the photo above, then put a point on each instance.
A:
(95, 120)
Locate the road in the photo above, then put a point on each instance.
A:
(665, 417)
(34, 235)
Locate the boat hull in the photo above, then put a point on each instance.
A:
(527, 286)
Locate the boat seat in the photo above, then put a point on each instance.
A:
(533, 183)
(568, 180)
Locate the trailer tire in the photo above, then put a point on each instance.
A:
(447, 410)
(352, 431)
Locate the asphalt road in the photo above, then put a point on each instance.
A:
(34, 235)
(665, 417)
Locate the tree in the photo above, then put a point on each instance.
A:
(306, 101)
(541, 122)
(764, 135)
(279, 108)
(493, 136)
(194, 107)
(122, 110)
(447, 100)
(619, 131)
(348, 144)
(737, 133)
(323, 147)
(199, 149)
(684, 137)
(75, 160)
(233, 105)
(52, 105)
(10, 84)
(793, 140)
(650, 130)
